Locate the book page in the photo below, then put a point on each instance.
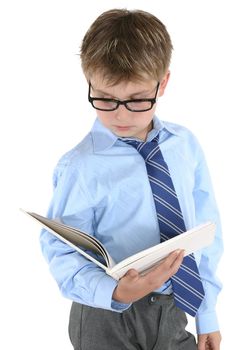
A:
(190, 241)
(74, 238)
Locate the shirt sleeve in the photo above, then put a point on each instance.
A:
(205, 210)
(78, 278)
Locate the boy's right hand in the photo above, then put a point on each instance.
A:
(133, 286)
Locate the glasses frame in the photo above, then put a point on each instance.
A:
(123, 102)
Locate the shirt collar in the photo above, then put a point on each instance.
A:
(104, 139)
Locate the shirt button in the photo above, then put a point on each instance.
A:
(152, 299)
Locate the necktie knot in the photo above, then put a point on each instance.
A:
(146, 149)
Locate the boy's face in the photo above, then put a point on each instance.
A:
(122, 122)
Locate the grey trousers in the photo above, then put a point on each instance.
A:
(152, 323)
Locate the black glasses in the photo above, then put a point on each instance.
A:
(110, 104)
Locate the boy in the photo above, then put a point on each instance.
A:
(106, 186)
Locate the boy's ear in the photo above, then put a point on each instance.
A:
(163, 83)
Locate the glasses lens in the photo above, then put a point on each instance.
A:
(105, 105)
(139, 105)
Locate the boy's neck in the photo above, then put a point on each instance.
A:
(149, 128)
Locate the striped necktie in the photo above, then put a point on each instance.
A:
(186, 283)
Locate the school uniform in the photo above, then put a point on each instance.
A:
(101, 186)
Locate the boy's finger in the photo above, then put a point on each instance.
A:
(176, 264)
(175, 258)
(132, 274)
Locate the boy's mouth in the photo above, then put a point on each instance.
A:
(122, 127)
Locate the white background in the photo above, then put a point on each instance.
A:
(44, 112)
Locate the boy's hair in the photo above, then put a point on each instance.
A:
(126, 45)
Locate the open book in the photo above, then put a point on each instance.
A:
(191, 240)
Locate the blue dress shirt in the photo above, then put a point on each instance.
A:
(101, 186)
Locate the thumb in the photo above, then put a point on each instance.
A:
(132, 274)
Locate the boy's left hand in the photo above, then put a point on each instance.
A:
(210, 341)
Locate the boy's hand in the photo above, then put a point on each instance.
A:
(132, 286)
(210, 341)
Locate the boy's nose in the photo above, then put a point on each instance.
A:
(122, 113)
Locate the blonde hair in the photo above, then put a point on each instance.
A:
(126, 45)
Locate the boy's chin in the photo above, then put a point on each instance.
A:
(124, 134)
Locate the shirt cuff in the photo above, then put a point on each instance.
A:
(103, 295)
(207, 323)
